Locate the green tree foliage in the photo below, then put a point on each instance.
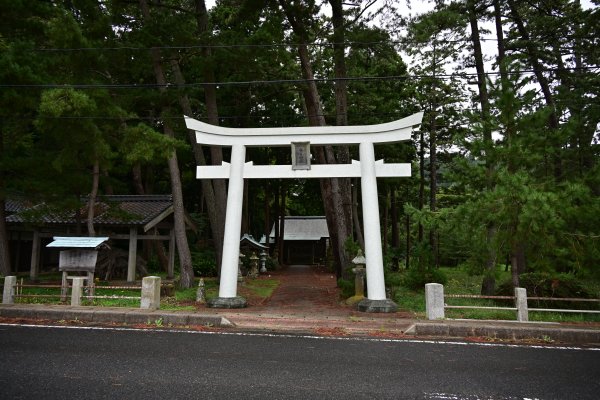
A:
(79, 91)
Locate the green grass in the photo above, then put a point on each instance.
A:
(262, 287)
(461, 282)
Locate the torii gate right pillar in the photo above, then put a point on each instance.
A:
(376, 300)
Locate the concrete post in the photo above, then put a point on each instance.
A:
(76, 291)
(373, 253)
(231, 242)
(8, 296)
(434, 301)
(521, 304)
(376, 300)
(150, 293)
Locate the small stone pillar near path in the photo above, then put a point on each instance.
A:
(359, 279)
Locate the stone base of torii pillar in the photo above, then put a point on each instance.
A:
(228, 302)
(377, 306)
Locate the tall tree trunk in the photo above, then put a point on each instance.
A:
(421, 193)
(336, 195)
(5, 265)
(533, 57)
(277, 221)
(185, 258)
(282, 213)
(357, 226)
(341, 108)
(215, 204)
(433, 161)
(488, 285)
(394, 215)
(92, 198)
(510, 131)
(386, 221)
(140, 190)
(433, 182)
(267, 229)
(215, 191)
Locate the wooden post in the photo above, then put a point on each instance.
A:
(35, 256)
(171, 265)
(131, 264)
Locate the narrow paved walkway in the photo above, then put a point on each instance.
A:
(304, 288)
(308, 300)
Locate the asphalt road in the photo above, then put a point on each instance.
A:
(68, 363)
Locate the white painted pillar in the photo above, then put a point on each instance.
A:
(233, 223)
(131, 262)
(370, 205)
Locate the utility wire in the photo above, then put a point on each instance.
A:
(265, 45)
(282, 81)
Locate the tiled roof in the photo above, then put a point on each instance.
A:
(303, 228)
(14, 206)
(250, 240)
(109, 210)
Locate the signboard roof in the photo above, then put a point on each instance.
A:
(80, 242)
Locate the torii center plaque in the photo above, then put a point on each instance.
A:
(365, 136)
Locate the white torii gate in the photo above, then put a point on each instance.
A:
(367, 169)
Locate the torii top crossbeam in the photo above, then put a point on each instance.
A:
(395, 131)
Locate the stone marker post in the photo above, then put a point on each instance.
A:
(434, 300)
(521, 304)
(150, 293)
(8, 296)
(76, 290)
(201, 293)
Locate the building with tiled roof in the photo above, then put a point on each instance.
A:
(121, 218)
(304, 239)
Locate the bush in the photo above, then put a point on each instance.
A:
(416, 279)
(544, 284)
(204, 262)
(346, 287)
(393, 279)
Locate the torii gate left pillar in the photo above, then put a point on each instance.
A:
(367, 169)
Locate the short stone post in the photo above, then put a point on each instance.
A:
(150, 293)
(8, 296)
(76, 291)
(521, 304)
(201, 292)
(434, 301)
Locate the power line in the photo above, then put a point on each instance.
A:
(465, 75)
(238, 46)
(266, 45)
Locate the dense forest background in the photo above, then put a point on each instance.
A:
(505, 164)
